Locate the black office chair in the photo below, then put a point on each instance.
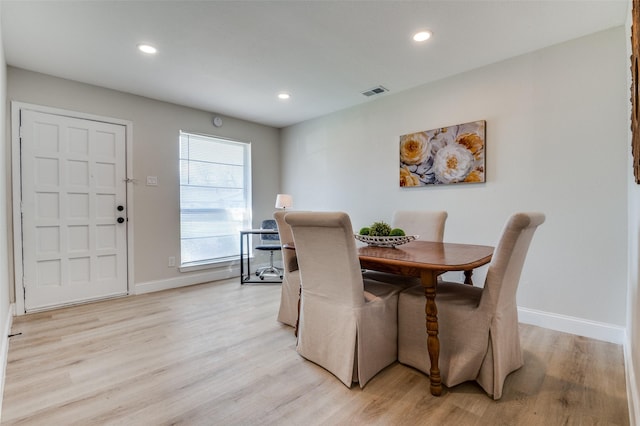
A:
(268, 245)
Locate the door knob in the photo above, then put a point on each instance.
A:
(120, 219)
(120, 208)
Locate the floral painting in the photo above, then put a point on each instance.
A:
(453, 154)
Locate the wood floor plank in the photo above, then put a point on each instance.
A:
(214, 354)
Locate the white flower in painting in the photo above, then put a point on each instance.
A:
(452, 163)
(440, 139)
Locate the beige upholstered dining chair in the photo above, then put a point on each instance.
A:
(290, 293)
(428, 225)
(347, 325)
(478, 327)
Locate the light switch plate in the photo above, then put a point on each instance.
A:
(152, 180)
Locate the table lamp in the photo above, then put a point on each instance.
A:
(284, 201)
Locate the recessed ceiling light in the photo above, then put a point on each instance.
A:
(284, 96)
(422, 36)
(146, 48)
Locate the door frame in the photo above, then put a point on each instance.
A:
(16, 198)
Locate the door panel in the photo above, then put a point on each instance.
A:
(73, 180)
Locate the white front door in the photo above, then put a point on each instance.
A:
(73, 176)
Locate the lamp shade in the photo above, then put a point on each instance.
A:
(284, 201)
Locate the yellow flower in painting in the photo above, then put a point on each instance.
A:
(475, 176)
(472, 142)
(407, 178)
(414, 148)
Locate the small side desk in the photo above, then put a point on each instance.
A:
(244, 237)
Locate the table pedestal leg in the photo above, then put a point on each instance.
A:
(433, 343)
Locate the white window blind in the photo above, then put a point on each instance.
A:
(215, 200)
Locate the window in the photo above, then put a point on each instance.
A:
(215, 198)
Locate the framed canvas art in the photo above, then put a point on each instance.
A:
(454, 154)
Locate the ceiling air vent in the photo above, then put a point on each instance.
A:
(375, 91)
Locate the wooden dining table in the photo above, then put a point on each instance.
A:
(427, 260)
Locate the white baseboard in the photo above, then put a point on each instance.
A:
(4, 350)
(578, 326)
(188, 279)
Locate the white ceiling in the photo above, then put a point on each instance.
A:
(233, 57)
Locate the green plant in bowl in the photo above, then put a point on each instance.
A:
(379, 229)
(397, 232)
(364, 231)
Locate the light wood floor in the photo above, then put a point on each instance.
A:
(214, 355)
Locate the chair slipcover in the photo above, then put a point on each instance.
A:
(478, 327)
(290, 293)
(427, 225)
(347, 325)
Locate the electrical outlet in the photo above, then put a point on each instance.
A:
(172, 262)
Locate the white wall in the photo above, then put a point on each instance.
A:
(5, 193)
(632, 346)
(156, 126)
(632, 354)
(556, 143)
(6, 281)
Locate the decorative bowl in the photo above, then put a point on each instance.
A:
(385, 241)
